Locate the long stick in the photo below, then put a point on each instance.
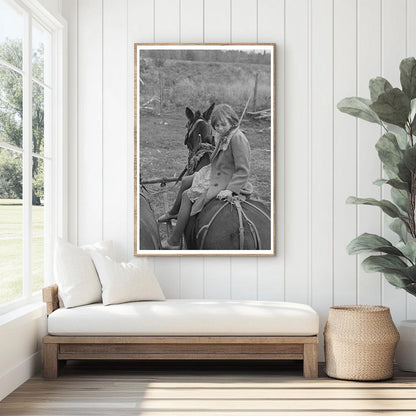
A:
(245, 109)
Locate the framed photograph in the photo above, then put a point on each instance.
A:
(204, 165)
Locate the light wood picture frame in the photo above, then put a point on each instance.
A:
(204, 150)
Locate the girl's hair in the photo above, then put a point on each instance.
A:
(224, 112)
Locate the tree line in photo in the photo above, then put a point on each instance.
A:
(210, 55)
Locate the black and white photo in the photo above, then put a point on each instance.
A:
(205, 149)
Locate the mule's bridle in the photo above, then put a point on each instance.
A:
(193, 127)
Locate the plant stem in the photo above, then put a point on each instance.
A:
(412, 195)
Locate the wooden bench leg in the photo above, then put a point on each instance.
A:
(50, 360)
(310, 360)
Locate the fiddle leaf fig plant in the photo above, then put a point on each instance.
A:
(394, 109)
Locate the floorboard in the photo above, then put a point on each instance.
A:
(206, 388)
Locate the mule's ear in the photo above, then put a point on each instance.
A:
(189, 114)
(207, 114)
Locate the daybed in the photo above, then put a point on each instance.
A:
(181, 329)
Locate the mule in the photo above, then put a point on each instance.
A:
(224, 225)
(198, 139)
(149, 230)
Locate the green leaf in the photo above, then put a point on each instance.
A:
(389, 208)
(412, 115)
(380, 182)
(400, 228)
(359, 107)
(401, 139)
(400, 198)
(404, 173)
(410, 272)
(392, 107)
(397, 280)
(411, 289)
(410, 158)
(408, 249)
(366, 243)
(396, 271)
(378, 86)
(381, 263)
(395, 183)
(389, 151)
(398, 184)
(408, 77)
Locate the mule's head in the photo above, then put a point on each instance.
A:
(198, 128)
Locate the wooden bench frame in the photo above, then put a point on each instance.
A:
(58, 349)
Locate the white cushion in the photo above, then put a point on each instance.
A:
(75, 273)
(126, 282)
(180, 317)
(104, 247)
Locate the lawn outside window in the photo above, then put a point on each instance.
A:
(32, 139)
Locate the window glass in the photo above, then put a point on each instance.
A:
(38, 228)
(41, 45)
(11, 226)
(11, 106)
(38, 118)
(11, 34)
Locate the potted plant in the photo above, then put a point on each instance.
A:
(394, 109)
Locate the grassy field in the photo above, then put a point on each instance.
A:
(11, 249)
(194, 84)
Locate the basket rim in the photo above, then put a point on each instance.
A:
(360, 308)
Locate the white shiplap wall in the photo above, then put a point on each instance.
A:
(326, 50)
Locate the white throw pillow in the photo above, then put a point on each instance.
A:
(75, 273)
(103, 247)
(126, 282)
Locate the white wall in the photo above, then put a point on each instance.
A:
(326, 50)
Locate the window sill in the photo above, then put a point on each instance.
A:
(35, 306)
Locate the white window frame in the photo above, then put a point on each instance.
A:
(58, 211)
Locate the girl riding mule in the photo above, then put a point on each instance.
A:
(226, 178)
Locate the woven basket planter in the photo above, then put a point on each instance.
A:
(360, 341)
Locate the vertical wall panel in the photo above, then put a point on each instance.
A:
(369, 167)
(271, 28)
(345, 151)
(167, 26)
(321, 165)
(217, 21)
(244, 29)
(192, 31)
(217, 278)
(411, 51)
(90, 128)
(393, 51)
(140, 30)
(296, 152)
(192, 21)
(115, 60)
(167, 30)
(217, 27)
(70, 11)
(244, 21)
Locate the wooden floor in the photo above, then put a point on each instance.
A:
(191, 389)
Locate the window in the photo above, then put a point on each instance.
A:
(31, 142)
